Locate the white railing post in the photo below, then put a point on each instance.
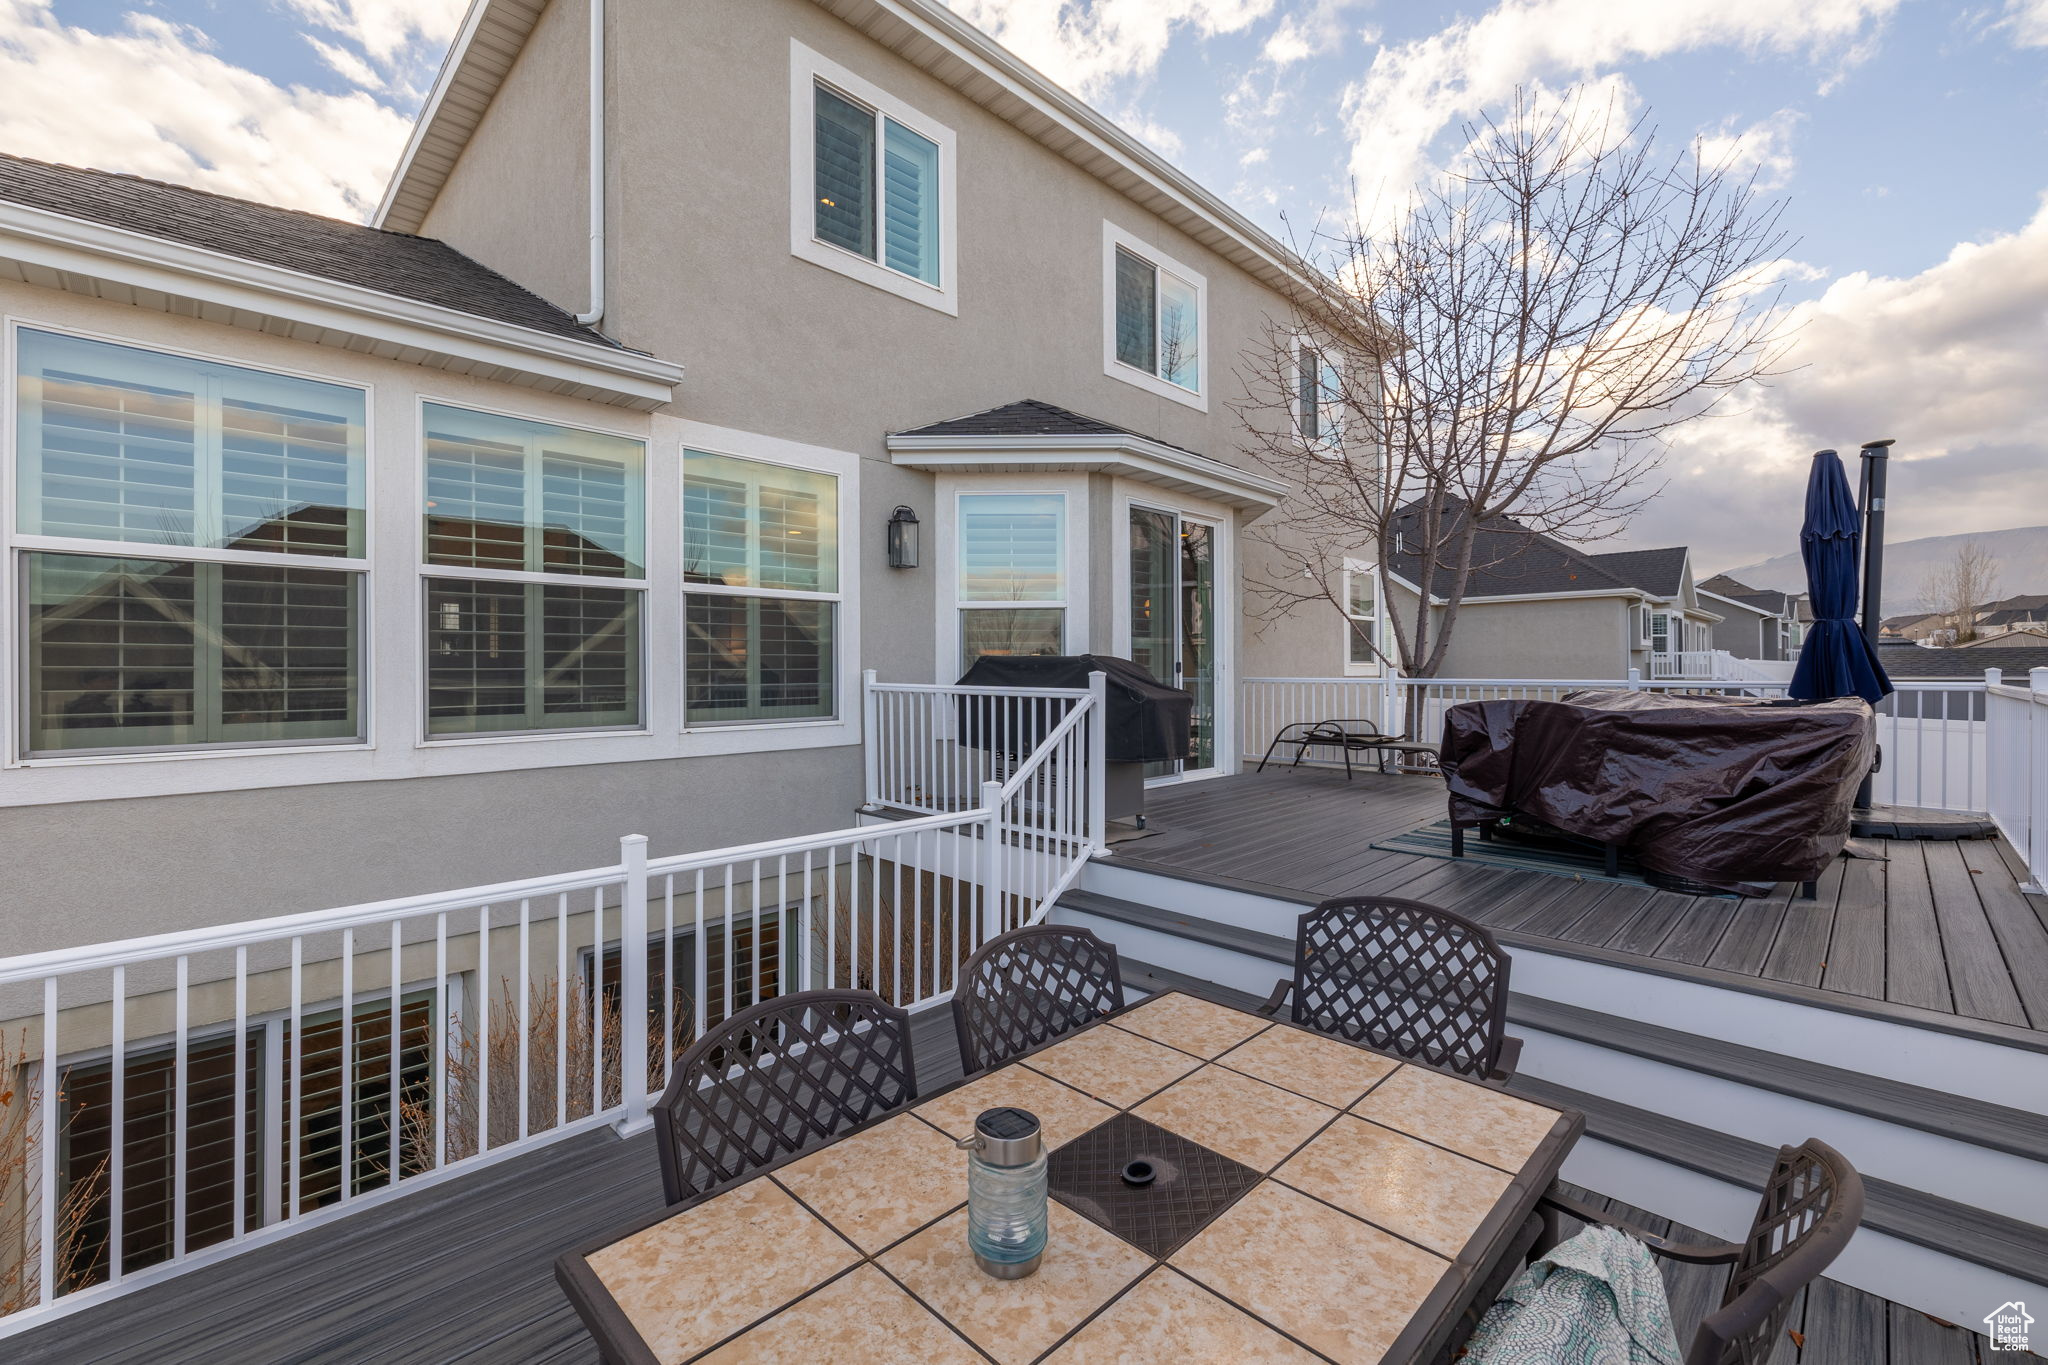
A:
(870, 741)
(632, 986)
(1098, 763)
(992, 865)
(1635, 680)
(2037, 773)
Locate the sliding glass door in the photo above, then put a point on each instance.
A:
(1173, 619)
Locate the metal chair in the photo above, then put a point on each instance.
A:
(1348, 737)
(1029, 987)
(1406, 978)
(776, 1078)
(1810, 1208)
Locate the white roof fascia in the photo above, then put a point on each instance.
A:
(1133, 457)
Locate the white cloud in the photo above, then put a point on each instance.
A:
(1948, 361)
(1089, 46)
(2028, 22)
(1763, 149)
(390, 45)
(154, 99)
(1415, 91)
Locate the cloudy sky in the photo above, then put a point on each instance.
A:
(1910, 139)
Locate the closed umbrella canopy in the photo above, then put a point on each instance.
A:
(1836, 660)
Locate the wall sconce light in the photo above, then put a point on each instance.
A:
(903, 539)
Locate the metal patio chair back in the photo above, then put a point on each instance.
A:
(1029, 987)
(1811, 1207)
(1403, 977)
(776, 1078)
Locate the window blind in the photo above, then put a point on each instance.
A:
(1010, 548)
(911, 201)
(1137, 322)
(844, 150)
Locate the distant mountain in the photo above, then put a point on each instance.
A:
(2022, 556)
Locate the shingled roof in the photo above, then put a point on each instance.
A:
(1910, 663)
(396, 263)
(1511, 560)
(1032, 417)
(1767, 600)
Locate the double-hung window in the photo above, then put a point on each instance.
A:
(1011, 574)
(871, 192)
(761, 584)
(1156, 320)
(1318, 400)
(535, 574)
(1361, 618)
(191, 549)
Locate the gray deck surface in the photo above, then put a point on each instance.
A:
(465, 1272)
(1940, 926)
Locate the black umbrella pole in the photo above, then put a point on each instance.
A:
(1876, 455)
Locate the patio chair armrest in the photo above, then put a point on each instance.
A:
(1553, 1204)
(1510, 1057)
(1278, 998)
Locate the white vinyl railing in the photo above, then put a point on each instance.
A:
(932, 748)
(273, 1074)
(2018, 720)
(1933, 734)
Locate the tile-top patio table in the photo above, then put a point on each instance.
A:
(1316, 1201)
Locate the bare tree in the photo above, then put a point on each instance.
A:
(1516, 345)
(1961, 589)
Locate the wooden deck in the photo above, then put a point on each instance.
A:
(1936, 926)
(464, 1273)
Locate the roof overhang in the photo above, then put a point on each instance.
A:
(1736, 603)
(56, 251)
(939, 42)
(1131, 457)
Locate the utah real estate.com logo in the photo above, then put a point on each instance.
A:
(2007, 1326)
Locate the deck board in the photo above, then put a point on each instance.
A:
(1943, 927)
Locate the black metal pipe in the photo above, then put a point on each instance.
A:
(1870, 501)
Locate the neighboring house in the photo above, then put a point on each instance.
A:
(325, 531)
(1535, 607)
(1913, 626)
(2014, 613)
(1756, 623)
(1917, 663)
(2007, 637)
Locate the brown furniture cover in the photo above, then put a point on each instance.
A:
(1738, 794)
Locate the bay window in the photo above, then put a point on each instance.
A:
(535, 547)
(1011, 574)
(190, 540)
(762, 593)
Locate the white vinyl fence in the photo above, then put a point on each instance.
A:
(2018, 718)
(1933, 734)
(276, 1073)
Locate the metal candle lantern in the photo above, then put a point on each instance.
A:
(1006, 1192)
(903, 539)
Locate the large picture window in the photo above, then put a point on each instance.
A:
(191, 551)
(535, 542)
(1011, 574)
(761, 578)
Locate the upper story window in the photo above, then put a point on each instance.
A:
(1156, 316)
(761, 578)
(871, 191)
(1012, 574)
(535, 537)
(1318, 399)
(191, 543)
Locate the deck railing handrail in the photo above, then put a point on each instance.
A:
(376, 1048)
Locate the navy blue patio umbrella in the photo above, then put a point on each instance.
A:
(1837, 659)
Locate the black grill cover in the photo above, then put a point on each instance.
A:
(1733, 793)
(1149, 722)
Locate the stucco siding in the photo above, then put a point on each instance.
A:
(1558, 638)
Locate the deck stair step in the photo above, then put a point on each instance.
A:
(1143, 976)
(1973, 1121)
(2004, 1245)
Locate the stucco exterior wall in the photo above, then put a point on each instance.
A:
(517, 199)
(1560, 638)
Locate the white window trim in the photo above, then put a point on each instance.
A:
(1353, 669)
(422, 737)
(1198, 398)
(806, 69)
(1129, 494)
(13, 639)
(756, 736)
(1075, 576)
